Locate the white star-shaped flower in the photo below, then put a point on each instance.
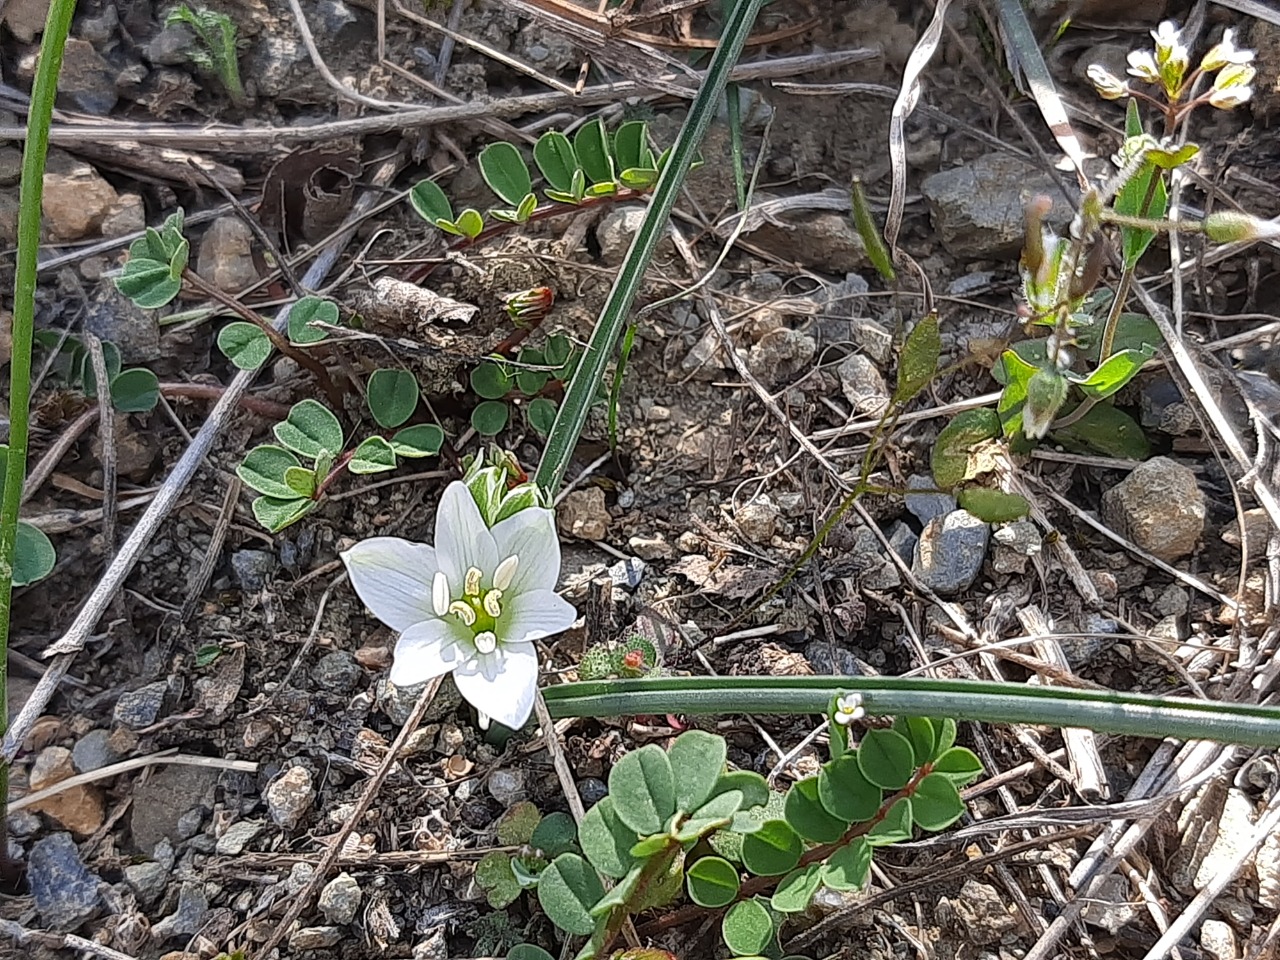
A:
(472, 604)
(848, 709)
(1142, 64)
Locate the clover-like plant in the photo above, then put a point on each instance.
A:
(534, 372)
(152, 276)
(216, 47)
(678, 822)
(132, 390)
(504, 876)
(33, 556)
(293, 474)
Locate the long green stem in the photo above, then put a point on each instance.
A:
(572, 415)
(1127, 714)
(39, 116)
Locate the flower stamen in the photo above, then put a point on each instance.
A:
(440, 594)
(471, 585)
(486, 642)
(506, 572)
(464, 612)
(491, 605)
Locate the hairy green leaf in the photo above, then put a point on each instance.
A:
(33, 555)
(373, 455)
(643, 789)
(505, 171)
(772, 850)
(712, 882)
(556, 159)
(747, 928)
(392, 395)
(567, 890)
(993, 506)
(244, 344)
(309, 429)
(263, 469)
(606, 840)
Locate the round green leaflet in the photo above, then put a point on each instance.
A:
(712, 882)
(489, 417)
(555, 834)
(936, 804)
(697, 760)
(528, 951)
(419, 440)
(643, 790)
(490, 381)
(392, 395)
(374, 455)
(845, 791)
(136, 390)
(553, 153)
(847, 868)
(606, 840)
(808, 817)
(886, 759)
(772, 850)
(567, 890)
(919, 733)
(542, 414)
(309, 430)
(304, 312)
(747, 928)
(959, 765)
(33, 555)
(430, 202)
(263, 469)
(796, 889)
(244, 344)
(505, 172)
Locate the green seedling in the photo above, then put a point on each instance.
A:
(33, 556)
(216, 48)
(133, 390)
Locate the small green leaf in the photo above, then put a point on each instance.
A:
(420, 440)
(136, 390)
(526, 208)
(263, 469)
(244, 344)
(276, 513)
(936, 804)
(148, 283)
(590, 144)
(772, 850)
(557, 350)
(309, 429)
(919, 360)
(848, 867)
(712, 882)
(697, 761)
(490, 381)
(959, 765)
(505, 171)
(373, 455)
(1110, 432)
(993, 506)
(1119, 369)
(207, 655)
(918, 732)
(753, 787)
(747, 928)
(631, 147)
(430, 202)
(555, 834)
(1046, 393)
(845, 791)
(945, 731)
(528, 951)
(516, 826)
(606, 840)
(795, 891)
(33, 555)
(495, 876)
(950, 457)
(716, 813)
(489, 417)
(638, 178)
(178, 260)
(808, 817)
(301, 481)
(646, 848)
(470, 223)
(894, 828)
(306, 311)
(643, 789)
(1134, 331)
(392, 395)
(529, 382)
(886, 759)
(554, 155)
(567, 890)
(110, 359)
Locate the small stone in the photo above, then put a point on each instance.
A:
(237, 836)
(1015, 543)
(757, 519)
(1110, 905)
(127, 216)
(80, 809)
(23, 824)
(139, 708)
(1112, 57)
(651, 548)
(226, 255)
(583, 514)
(1218, 940)
(161, 801)
(135, 332)
(628, 573)
(314, 938)
(190, 822)
(950, 553)
(147, 880)
(374, 656)
(978, 208)
(903, 540)
(87, 82)
(592, 790)
(615, 232)
(187, 919)
(925, 506)
(76, 200)
(64, 891)
(1159, 507)
(340, 899)
(93, 751)
(1232, 831)
(289, 797)
(337, 671)
(1257, 531)
(780, 354)
(251, 569)
(10, 166)
(818, 240)
(300, 875)
(25, 18)
(863, 384)
(980, 913)
(171, 47)
(506, 785)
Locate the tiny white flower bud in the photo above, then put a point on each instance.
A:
(1228, 226)
(1143, 66)
(1231, 87)
(440, 594)
(506, 572)
(1108, 85)
(1225, 52)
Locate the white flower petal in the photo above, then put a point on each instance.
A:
(502, 684)
(531, 536)
(462, 539)
(427, 650)
(533, 615)
(393, 578)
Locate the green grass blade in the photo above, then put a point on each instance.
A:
(1125, 714)
(613, 317)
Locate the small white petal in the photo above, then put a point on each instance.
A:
(440, 594)
(506, 571)
(531, 536)
(394, 578)
(427, 650)
(502, 684)
(533, 615)
(486, 643)
(462, 539)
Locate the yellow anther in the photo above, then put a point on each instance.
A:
(490, 603)
(471, 585)
(486, 642)
(463, 612)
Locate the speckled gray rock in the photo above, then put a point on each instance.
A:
(337, 672)
(185, 921)
(226, 255)
(507, 786)
(252, 568)
(139, 708)
(289, 796)
(925, 506)
(147, 880)
(978, 208)
(64, 891)
(863, 384)
(780, 355)
(340, 899)
(233, 841)
(93, 751)
(757, 519)
(1159, 507)
(314, 938)
(950, 552)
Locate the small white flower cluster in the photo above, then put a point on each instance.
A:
(1167, 65)
(474, 602)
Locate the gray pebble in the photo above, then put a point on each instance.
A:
(507, 786)
(93, 751)
(64, 891)
(289, 796)
(340, 899)
(139, 708)
(186, 920)
(337, 671)
(950, 553)
(926, 506)
(314, 938)
(233, 842)
(252, 568)
(147, 880)
(592, 790)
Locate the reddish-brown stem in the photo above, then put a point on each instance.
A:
(211, 391)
